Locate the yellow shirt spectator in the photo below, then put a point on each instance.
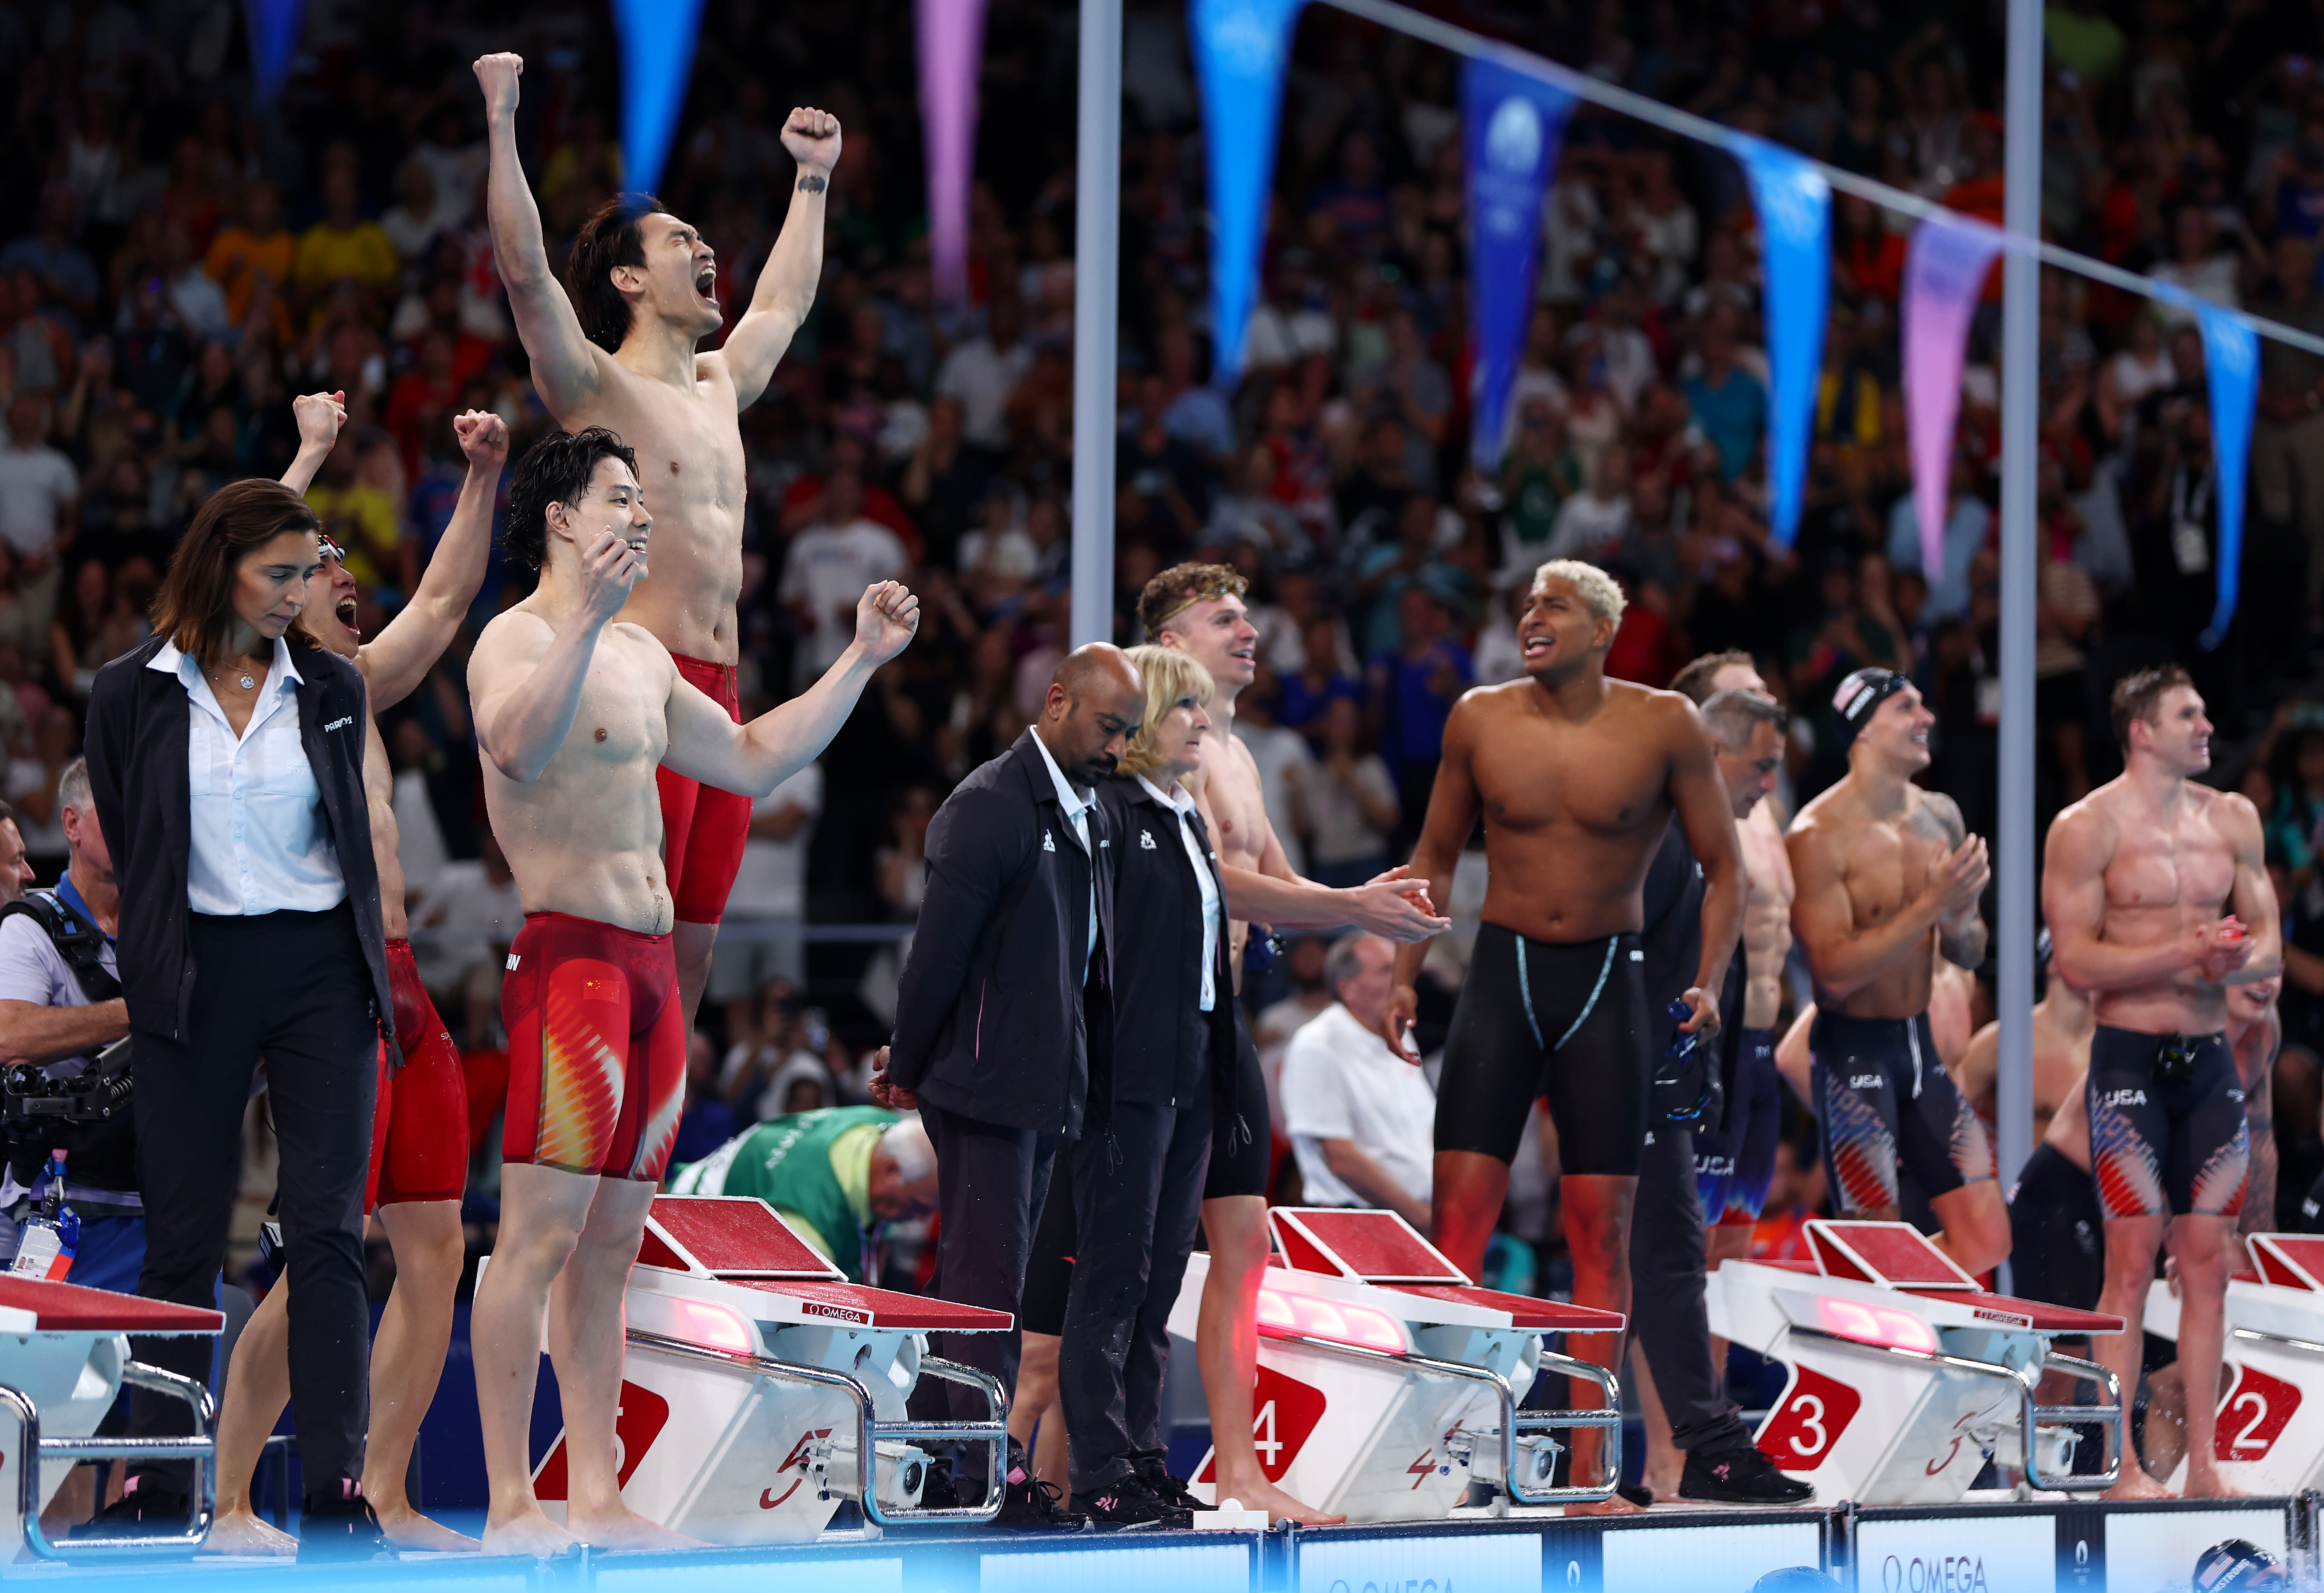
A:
(360, 250)
(362, 522)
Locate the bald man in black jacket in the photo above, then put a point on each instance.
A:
(1005, 994)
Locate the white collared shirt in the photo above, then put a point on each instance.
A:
(1077, 805)
(1181, 801)
(258, 841)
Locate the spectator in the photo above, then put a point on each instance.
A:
(361, 519)
(2198, 266)
(1357, 1114)
(769, 888)
(196, 301)
(983, 373)
(1593, 525)
(342, 247)
(1413, 690)
(40, 351)
(705, 1122)
(1968, 523)
(825, 570)
(1303, 968)
(250, 258)
(1286, 770)
(461, 931)
(66, 275)
(1350, 803)
(1728, 402)
(39, 500)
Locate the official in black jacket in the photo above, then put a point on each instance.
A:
(1003, 1011)
(1136, 1175)
(226, 758)
(1666, 1222)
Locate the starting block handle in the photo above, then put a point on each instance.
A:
(1608, 1419)
(31, 1448)
(2030, 1413)
(869, 1430)
(2108, 1418)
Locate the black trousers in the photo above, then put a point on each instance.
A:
(991, 1181)
(294, 987)
(1667, 1315)
(1138, 1200)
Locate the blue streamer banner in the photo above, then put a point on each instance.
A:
(274, 29)
(1793, 203)
(657, 40)
(2231, 368)
(1511, 128)
(1240, 49)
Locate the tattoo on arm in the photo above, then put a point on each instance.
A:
(2258, 1214)
(1967, 949)
(811, 184)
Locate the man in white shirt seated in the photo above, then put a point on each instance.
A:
(1362, 1119)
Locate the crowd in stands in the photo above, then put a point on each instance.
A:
(175, 262)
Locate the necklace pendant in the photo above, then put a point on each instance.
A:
(247, 684)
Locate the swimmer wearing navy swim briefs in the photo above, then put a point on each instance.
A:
(1884, 870)
(2158, 898)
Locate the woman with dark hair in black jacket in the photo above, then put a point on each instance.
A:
(1126, 1196)
(226, 758)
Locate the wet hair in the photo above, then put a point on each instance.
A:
(611, 237)
(1169, 675)
(195, 606)
(1181, 588)
(1695, 680)
(2136, 695)
(555, 470)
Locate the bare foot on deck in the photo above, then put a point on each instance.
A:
(2135, 1483)
(1257, 1493)
(244, 1532)
(530, 1532)
(408, 1529)
(1617, 1505)
(623, 1528)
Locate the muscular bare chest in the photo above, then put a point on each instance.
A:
(1531, 776)
(1887, 863)
(2186, 865)
(1766, 865)
(1236, 807)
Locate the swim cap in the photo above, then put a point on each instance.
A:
(2237, 1563)
(1859, 696)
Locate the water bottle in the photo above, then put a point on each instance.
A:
(52, 1232)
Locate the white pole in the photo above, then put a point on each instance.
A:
(2017, 857)
(1097, 252)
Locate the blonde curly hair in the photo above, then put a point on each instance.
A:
(1170, 676)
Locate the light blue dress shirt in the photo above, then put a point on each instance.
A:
(258, 841)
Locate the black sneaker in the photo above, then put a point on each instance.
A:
(338, 1527)
(144, 1512)
(1170, 1489)
(1739, 1476)
(1026, 1501)
(1132, 1501)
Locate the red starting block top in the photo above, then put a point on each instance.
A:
(2290, 1260)
(1893, 1254)
(727, 1237)
(2036, 1314)
(1373, 1247)
(857, 1305)
(1546, 1316)
(70, 1308)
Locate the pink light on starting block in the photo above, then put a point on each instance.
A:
(713, 1327)
(1339, 1320)
(1875, 1325)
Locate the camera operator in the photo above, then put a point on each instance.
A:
(61, 1004)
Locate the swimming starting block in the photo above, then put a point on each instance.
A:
(759, 1380)
(2271, 1414)
(1905, 1376)
(64, 1355)
(1387, 1381)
